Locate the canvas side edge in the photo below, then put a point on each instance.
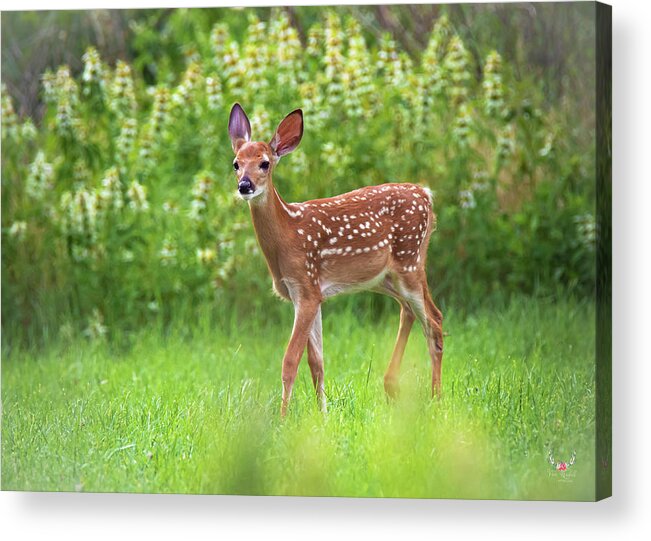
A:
(603, 369)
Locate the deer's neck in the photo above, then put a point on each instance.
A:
(271, 224)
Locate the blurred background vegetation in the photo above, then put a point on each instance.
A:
(118, 203)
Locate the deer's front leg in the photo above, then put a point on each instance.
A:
(305, 310)
(315, 360)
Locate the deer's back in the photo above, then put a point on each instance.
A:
(357, 236)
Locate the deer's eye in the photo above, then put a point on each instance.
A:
(264, 165)
(236, 166)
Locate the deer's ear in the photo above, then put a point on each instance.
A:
(288, 134)
(239, 127)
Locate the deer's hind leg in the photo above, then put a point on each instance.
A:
(433, 327)
(416, 292)
(315, 360)
(407, 318)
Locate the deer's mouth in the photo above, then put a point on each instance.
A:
(250, 194)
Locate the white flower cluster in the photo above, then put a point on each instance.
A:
(312, 102)
(67, 100)
(587, 229)
(80, 173)
(110, 197)
(314, 47)
(28, 130)
(93, 74)
(506, 142)
(480, 182)
(457, 63)
(122, 97)
(205, 256)
(335, 156)
(11, 127)
(192, 78)
(255, 60)
(201, 192)
(154, 131)
(431, 64)
(299, 163)
(414, 95)
(333, 59)
(170, 207)
(78, 213)
(233, 69)
(160, 110)
(390, 63)
(40, 177)
(288, 51)
(9, 117)
(548, 147)
(167, 253)
(356, 76)
(214, 92)
(17, 230)
(125, 142)
(462, 125)
(85, 214)
(467, 199)
(260, 123)
(96, 330)
(48, 82)
(137, 195)
(492, 85)
(219, 37)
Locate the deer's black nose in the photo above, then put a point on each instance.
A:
(245, 186)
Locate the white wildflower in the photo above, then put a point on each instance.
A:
(467, 199)
(206, 255)
(40, 176)
(96, 330)
(137, 195)
(17, 230)
(167, 253)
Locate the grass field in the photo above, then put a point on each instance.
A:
(196, 410)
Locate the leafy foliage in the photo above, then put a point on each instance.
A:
(119, 207)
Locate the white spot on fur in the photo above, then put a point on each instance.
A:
(293, 214)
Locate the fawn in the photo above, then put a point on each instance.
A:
(374, 238)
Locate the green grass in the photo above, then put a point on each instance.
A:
(195, 410)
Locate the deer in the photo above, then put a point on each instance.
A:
(374, 238)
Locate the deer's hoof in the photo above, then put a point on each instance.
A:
(391, 387)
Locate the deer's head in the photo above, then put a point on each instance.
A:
(255, 161)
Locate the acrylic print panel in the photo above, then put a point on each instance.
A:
(454, 158)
